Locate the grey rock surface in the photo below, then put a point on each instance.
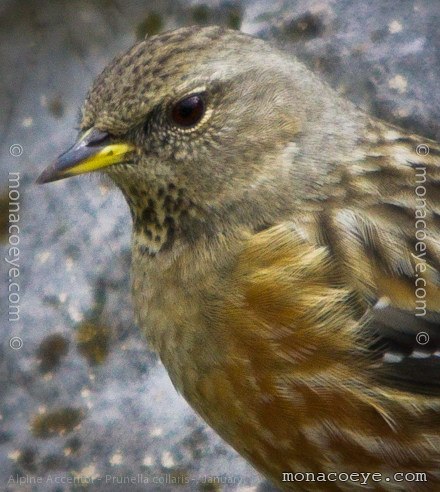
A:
(83, 398)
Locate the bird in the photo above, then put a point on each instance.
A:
(285, 255)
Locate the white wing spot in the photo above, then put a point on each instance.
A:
(392, 358)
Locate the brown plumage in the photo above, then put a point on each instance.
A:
(286, 254)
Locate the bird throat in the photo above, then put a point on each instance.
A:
(157, 214)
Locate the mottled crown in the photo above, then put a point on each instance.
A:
(134, 82)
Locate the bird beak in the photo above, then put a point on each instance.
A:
(93, 151)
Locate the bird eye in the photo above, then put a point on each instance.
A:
(188, 111)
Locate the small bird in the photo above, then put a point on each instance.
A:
(285, 252)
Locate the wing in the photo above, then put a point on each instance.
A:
(325, 367)
(304, 373)
(383, 230)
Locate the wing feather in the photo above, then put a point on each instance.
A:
(385, 234)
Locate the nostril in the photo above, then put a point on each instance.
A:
(94, 136)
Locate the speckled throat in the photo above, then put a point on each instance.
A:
(158, 215)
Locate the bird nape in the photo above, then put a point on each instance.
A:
(285, 260)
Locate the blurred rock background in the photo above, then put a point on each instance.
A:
(81, 396)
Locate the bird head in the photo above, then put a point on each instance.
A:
(206, 118)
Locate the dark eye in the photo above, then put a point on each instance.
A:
(188, 111)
